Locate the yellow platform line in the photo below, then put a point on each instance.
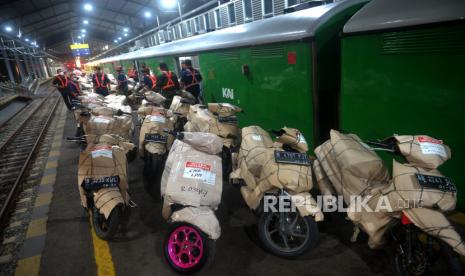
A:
(28, 266)
(102, 254)
(37, 227)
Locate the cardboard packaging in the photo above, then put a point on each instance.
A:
(104, 159)
(261, 173)
(202, 217)
(201, 119)
(155, 123)
(120, 125)
(423, 151)
(351, 166)
(193, 171)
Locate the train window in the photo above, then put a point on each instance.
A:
(267, 7)
(197, 24)
(217, 18)
(180, 31)
(189, 27)
(206, 21)
(194, 60)
(231, 14)
(290, 3)
(248, 13)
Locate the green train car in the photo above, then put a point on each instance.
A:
(402, 72)
(375, 69)
(288, 64)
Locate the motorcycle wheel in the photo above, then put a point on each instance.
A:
(131, 155)
(226, 162)
(153, 171)
(106, 228)
(445, 261)
(299, 235)
(186, 248)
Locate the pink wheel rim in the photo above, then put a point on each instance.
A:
(185, 247)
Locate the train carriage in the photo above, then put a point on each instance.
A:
(402, 72)
(280, 70)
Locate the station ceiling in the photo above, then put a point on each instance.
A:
(54, 24)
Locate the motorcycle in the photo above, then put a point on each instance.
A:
(179, 107)
(272, 176)
(154, 144)
(103, 182)
(219, 119)
(191, 188)
(406, 209)
(98, 117)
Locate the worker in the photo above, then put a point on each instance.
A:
(60, 81)
(149, 80)
(133, 74)
(122, 81)
(190, 79)
(167, 84)
(101, 82)
(73, 85)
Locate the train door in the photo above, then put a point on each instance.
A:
(195, 65)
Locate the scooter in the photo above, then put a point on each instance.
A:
(407, 210)
(103, 182)
(191, 189)
(219, 119)
(275, 180)
(179, 107)
(154, 143)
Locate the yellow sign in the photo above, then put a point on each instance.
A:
(79, 46)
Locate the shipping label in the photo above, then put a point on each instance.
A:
(101, 120)
(199, 171)
(102, 151)
(256, 137)
(301, 138)
(430, 145)
(157, 118)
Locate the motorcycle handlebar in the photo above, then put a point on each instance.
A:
(385, 146)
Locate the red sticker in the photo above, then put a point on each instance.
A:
(291, 58)
(102, 147)
(204, 167)
(426, 139)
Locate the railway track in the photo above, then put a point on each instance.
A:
(18, 151)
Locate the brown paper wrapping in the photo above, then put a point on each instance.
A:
(157, 122)
(202, 217)
(102, 166)
(204, 120)
(415, 149)
(260, 172)
(178, 184)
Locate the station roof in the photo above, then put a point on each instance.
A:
(289, 27)
(52, 23)
(392, 14)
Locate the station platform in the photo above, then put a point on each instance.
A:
(64, 243)
(60, 241)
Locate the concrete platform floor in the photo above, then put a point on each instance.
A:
(70, 249)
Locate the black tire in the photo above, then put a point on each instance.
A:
(270, 234)
(153, 171)
(106, 228)
(443, 261)
(206, 249)
(226, 161)
(131, 155)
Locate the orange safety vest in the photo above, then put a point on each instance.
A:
(170, 82)
(100, 84)
(194, 79)
(153, 79)
(63, 84)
